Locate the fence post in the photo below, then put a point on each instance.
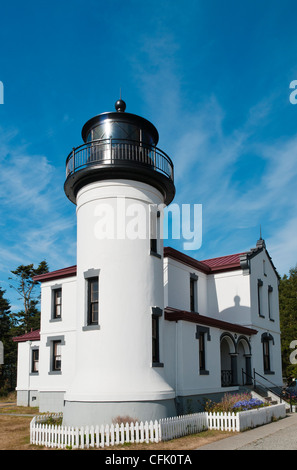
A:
(82, 438)
(132, 432)
(92, 444)
(102, 436)
(97, 436)
(137, 432)
(127, 432)
(76, 438)
(107, 435)
(122, 433)
(141, 432)
(111, 431)
(146, 429)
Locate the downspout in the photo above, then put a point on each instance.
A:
(28, 399)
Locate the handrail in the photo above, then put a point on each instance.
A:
(272, 383)
(279, 395)
(115, 151)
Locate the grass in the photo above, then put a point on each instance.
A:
(15, 432)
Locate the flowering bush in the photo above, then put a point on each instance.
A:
(244, 405)
(235, 403)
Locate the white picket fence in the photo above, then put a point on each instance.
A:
(61, 437)
(223, 421)
(178, 426)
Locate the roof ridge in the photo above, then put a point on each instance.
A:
(224, 256)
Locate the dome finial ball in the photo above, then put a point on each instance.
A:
(120, 106)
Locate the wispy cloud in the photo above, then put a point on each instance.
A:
(35, 221)
(241, 178)
(283, 246)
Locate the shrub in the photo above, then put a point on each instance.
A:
(52, 420)
(124, 420)
(244, 405)
(235, 403)
(227, 402)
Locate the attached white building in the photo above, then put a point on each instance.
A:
(136, 329)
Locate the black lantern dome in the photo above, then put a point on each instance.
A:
(119, 145)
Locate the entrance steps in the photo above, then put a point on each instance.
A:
(265, 394)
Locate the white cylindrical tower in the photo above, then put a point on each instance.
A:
(120, 182)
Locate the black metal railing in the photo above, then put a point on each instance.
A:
(277, 390)
(118, 151)
(226, 378)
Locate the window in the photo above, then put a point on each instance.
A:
(56, 358)
(91, 301)
(193, 292)
(93, 298)
(156, 314)
(56, 306)
(202, 351)
(266, 357)
(155, 339)
(267, 340)
(57, 303)
(153, 245)
(55, 344)
(260, 286)
(35, 361)
(203, 335)
(154, 231)
(270, 304)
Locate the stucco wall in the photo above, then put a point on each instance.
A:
(177, 286)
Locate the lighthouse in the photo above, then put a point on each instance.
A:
(120, 182)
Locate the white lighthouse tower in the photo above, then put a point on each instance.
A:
(120, 182)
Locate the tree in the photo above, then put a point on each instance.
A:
(8, 369)
(29, 317)
(288, 321)
(5, 322)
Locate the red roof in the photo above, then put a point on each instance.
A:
(31, 336)
(60, 273)
(183, 258)
(173, 314)
(208, 266)
(224, 262)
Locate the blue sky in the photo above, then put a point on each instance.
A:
(212, 75)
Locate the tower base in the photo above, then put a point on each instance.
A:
(92, 413)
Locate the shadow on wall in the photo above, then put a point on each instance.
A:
(236, 314)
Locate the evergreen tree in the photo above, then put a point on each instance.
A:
(29, 317)
(288, 322)
(8, 369)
